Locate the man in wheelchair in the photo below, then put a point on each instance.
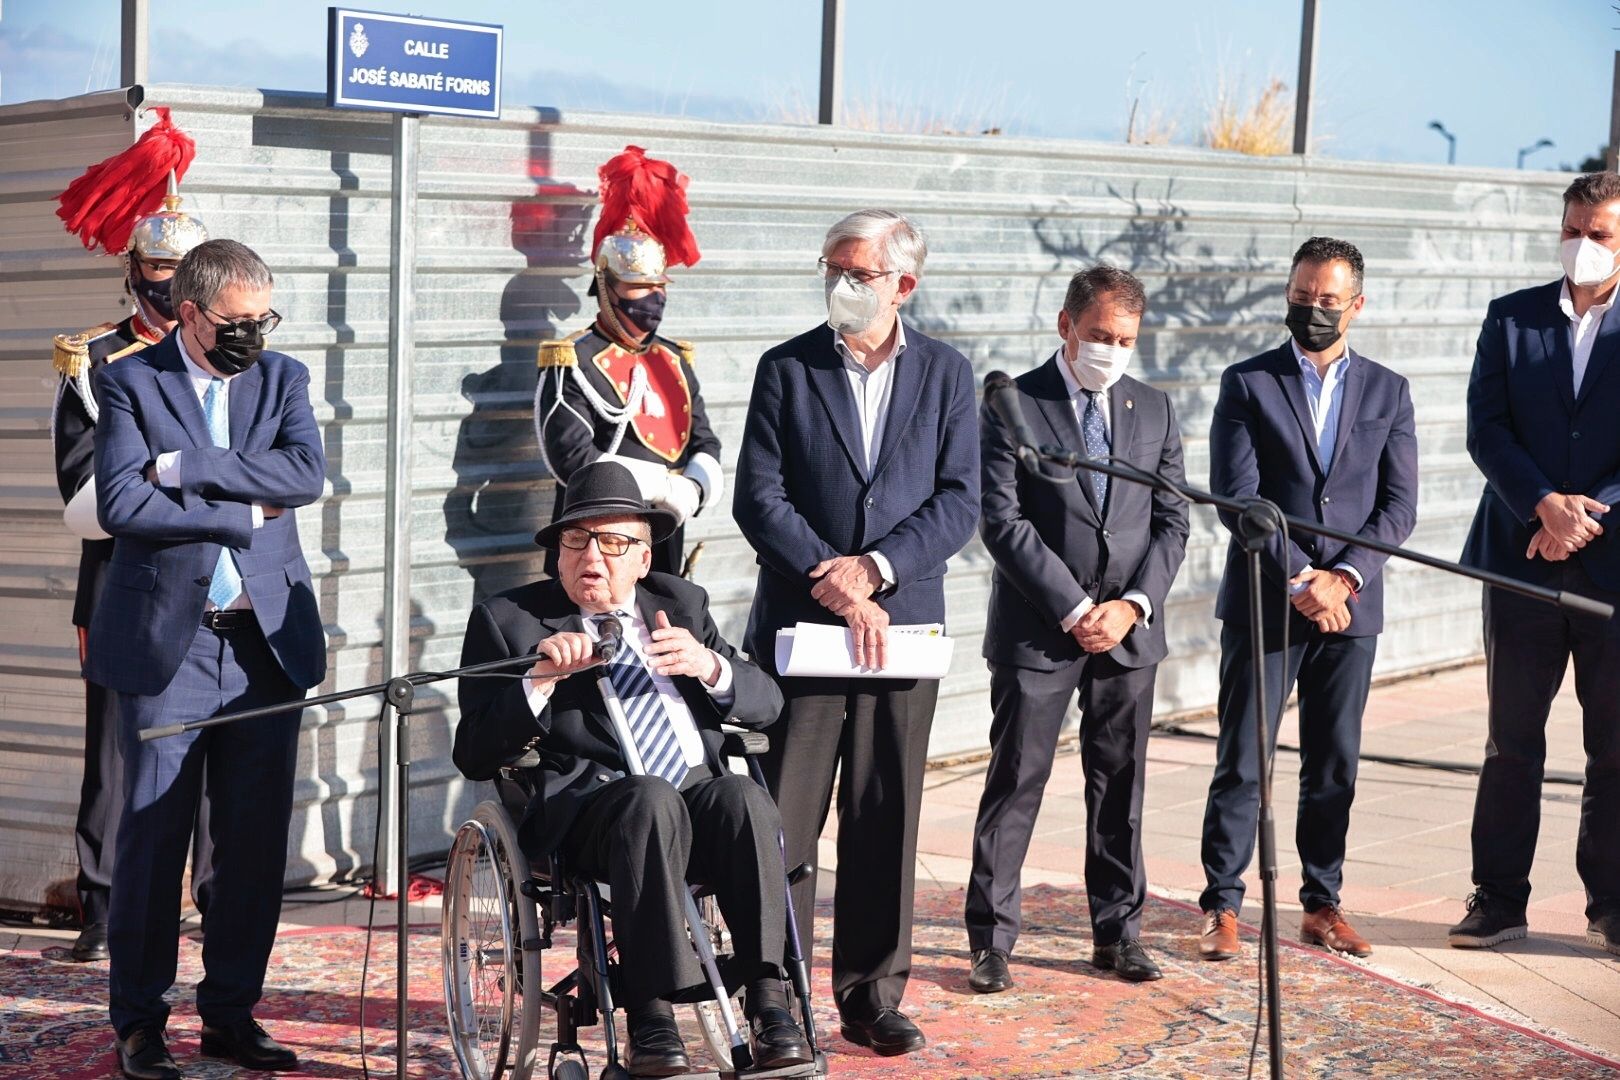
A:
(686, 817)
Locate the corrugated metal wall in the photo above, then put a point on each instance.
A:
(504, 223)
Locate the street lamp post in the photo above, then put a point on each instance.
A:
(1451, 141)
(1540, 144)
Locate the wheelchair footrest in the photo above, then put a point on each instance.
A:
(817, 1067)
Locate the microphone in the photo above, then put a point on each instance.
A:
(1002, 398)
(611, 637)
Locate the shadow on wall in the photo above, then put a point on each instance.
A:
(502, 490)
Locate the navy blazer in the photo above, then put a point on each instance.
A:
(1531, 435)
(803, 496)
(168, 539)
(579, 752)
(1052, 546)
(1262, 441)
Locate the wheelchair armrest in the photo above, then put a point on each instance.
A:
(529, 759)
(740, 742)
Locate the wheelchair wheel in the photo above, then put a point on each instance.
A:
(494, 1025)
(711, 1022)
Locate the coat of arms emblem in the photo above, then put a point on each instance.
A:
(358, 42)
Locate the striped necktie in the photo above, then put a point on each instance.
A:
(650, 725)
(226, 585)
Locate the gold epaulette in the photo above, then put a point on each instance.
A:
(72, 353)
(688, 351)
(560, 353)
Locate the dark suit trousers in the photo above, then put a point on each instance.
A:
(101, 801)
(1527, 648)
(1334, 673)
(874, 734)
(1029, 706)
(247, 770)
(647, 840)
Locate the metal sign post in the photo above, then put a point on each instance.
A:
(409, 66)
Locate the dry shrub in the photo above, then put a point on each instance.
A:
(1263, 126)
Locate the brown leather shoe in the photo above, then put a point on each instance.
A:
(1326, 927)
(1219, 939)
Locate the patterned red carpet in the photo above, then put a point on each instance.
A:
(1063, 1018)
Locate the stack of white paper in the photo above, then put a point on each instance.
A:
(820, 649)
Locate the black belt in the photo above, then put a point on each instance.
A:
(240, 619)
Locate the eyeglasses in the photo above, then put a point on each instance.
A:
(1327, 301)
(265, 325)
(828, 269)
(611, 544)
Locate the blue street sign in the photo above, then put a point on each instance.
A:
(401, 63)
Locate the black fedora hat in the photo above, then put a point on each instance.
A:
(605, 489)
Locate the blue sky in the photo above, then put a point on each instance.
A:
(1501, 74)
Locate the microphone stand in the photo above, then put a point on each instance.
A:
(399, 694)
(1258, 520)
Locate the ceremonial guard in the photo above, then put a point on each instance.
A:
(617, 390)
(114, 206)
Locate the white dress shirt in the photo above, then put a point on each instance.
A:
(1583, 328)
(167, 465)
(1324, 396)
(872, 390)
(638, 636)
(1078, 401)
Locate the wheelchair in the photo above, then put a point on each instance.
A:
(510, 1016)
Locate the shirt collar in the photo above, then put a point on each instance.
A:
(1566, 303)
(198, 375)
(894, 353)
(1070, 383)
(1335, 368)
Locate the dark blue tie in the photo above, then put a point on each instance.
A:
(1095, 432)
(650, 725)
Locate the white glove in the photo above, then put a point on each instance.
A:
(705, 470)
(80, 514)
(651, 477)
(683, 498)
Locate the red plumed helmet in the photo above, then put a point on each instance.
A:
(104, 204)
(646, 196)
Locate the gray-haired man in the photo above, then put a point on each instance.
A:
(857, 480)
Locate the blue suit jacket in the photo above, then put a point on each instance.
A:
(1262, 441)
(802, 495)
(1531, 435)
(1053, 545)
(168, 539)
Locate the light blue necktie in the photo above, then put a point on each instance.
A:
(650, 725)
(227, 583)
(1096, 436)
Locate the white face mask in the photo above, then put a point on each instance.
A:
(1096, 366)
(1586, 262)
(851, 306)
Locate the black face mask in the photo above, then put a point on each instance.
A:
(645, 311)
(236, 346)
(154, 294)
(1314, 328)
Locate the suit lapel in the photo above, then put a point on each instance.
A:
(1355, 383)
(1121, 432)
(1561, 359)
(1057, 407)
(1293, 388)
(182, 398)
(244, 400)
(908, 377)
(1603, 354)
(831, 384)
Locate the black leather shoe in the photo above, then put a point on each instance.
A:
(778, 1042)
(655, 1047)
(91, 944)
(143, 1056)
(990, 974)
(1604, 932)
(887, 1032)
(1128, 959)
(249, 1045)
